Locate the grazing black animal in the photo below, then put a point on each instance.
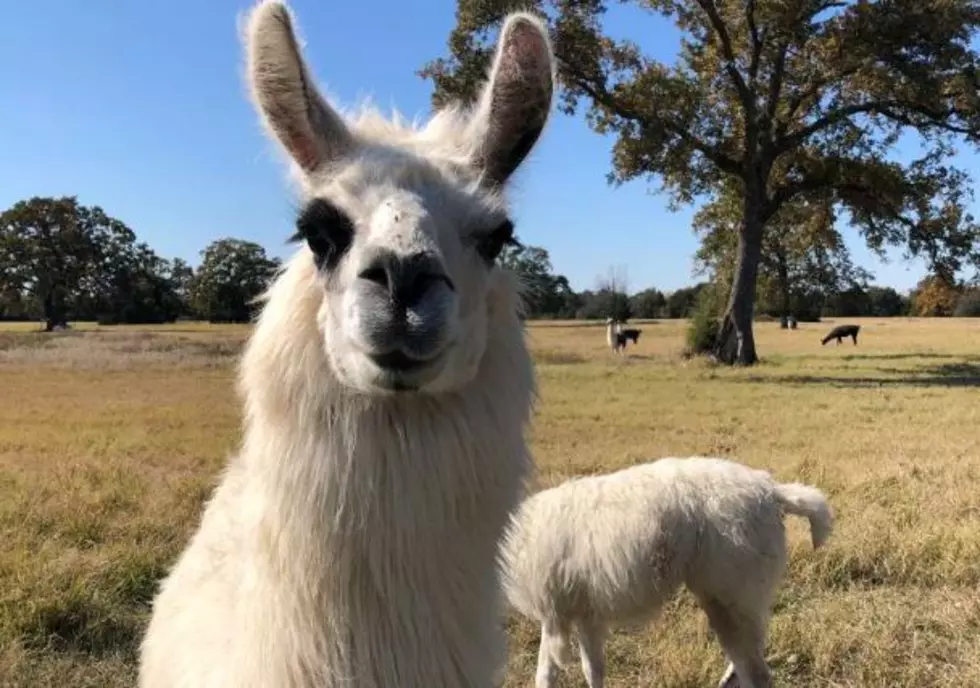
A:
(630, 334)
(842, 331)
(625, 336)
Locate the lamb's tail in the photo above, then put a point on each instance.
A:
(803, 500)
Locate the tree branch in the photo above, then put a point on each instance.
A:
(601, 95)
(757, 40)
(939, 118)
(814, 91)
(888, 108)
(728, 53)
(776, 84)
(787, 192)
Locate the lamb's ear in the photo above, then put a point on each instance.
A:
(284, 93)
(516, 100)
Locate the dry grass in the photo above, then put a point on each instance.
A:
(111, 438)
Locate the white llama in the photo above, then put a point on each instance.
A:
(352, 540)
(609, 550)
(614, 335)
(612, 330)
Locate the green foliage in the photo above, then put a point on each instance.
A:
(935, 296)
(782, 102)
(604, 303)
(682, 302)
(545, 293)
(232, 275)
(885, 302)
(704, 328)
(182, 280)
(64, 261)
(849, 303)
(968, 305)
(648, 304)
(59, 257)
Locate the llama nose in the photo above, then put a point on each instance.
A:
(405, 278)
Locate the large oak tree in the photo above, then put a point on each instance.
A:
(804, 259)
(787, 99)
(232, 275)
(56, 248)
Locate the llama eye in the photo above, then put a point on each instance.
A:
(490, 245)
(326, 230)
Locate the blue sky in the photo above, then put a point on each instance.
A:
(139, 107)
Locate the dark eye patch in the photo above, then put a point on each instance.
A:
(490, 245)
(326, 229)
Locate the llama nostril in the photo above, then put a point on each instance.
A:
(406, 278)
(415, 286)
(378, 275)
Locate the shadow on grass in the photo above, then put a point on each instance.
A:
(552, 357)
(943, 375)
(910, 355)
(636, 357)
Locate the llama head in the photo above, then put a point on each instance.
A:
(402, 225)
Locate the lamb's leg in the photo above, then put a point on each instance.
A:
(742, 635)
(591, 639)
(547, 670)
(552, 649)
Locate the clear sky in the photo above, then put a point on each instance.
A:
(139, 107)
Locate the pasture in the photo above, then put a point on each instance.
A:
(111, 438)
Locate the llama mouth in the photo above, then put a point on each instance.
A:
(397, 362)
(399, 372)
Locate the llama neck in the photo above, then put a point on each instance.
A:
(376, 520)
(410, 464)
(383, 532)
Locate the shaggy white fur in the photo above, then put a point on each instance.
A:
(612, 329)
(610, 550)
(387, 385)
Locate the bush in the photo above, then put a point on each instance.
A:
(968, 305)
(703, 331)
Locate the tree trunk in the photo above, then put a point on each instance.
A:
(782, 275)
(53, 313)
(736, 343)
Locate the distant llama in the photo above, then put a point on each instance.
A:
(353, 540)
(617, 337)
(631, 334)
(840, 332)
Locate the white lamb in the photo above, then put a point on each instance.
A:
(352, 541)
(610, 550)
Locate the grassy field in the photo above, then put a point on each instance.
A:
(111, 438)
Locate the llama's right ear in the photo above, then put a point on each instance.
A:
(309, 129)
(516, 101)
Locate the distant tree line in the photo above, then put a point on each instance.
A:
(820, 286)
(62, 261)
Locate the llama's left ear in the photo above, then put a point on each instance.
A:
(516, 101)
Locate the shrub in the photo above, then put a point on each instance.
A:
(968, 305)
(704, 328)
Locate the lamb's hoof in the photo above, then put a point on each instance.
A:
(730, 679)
